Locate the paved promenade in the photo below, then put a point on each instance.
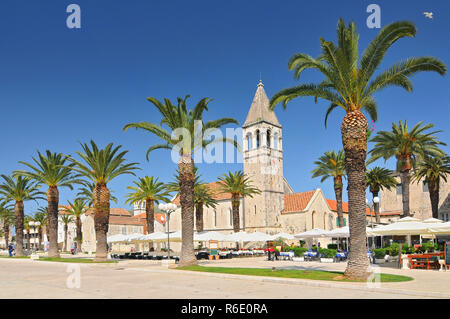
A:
(147, 279)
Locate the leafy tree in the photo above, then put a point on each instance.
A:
(19, 189)
(184, 136)
(406, 146)
(85, 193)
(53, 170)
(40, 216)
(238, 185)
(378, 178)
(349, 83)
(101, 166)
(431, 170)
(332, 164)
(149, 190)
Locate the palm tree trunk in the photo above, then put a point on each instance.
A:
(79, 233)
(433, 189)
(376, 208)
(354, 139)
(53, 200)
(235, 207)
(65, 237)
(405, 177)
(101, 220)
(199, 217)
(150, 215)
(186, 169)
(338, 193)
(6, 231)
(18, 212)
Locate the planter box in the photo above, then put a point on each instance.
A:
(380, 261)
(298, 259)
(326, 260)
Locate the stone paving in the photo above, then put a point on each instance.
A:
(147, 279)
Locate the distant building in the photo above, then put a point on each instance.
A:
(419, 200)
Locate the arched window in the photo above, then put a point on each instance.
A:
(268, 137)
(257, 139)
(249, 141)
(231, 217)
(215, 218)
(325, 221)
(275, 141)
(313, 220)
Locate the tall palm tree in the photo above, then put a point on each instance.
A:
(66, 219)
(332, 164)
(19, 189)
(53, 170)
(431, 170)
(7, 219)
(378, 178)
(349, 83)
(41, 217)
(203, 197)
(186, 135)
(149, 190)
(406, 146)
(100, 167)
(77, 208)
(238, 185)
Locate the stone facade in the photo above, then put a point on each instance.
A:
(419, 200)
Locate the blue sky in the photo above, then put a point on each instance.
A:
(59, 87)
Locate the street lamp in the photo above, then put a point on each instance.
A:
(168, 209)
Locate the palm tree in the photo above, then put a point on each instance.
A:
(332, 164)
(203, 196)
(100, 167)
(66, 220)
(151, 191)
(44, 212)
(431, 170)
(406, 145)
(377, 179)
(188, 131)
(26, 225)
(238, 185)
(41, 217)
(51, 169)
(7, 219)
(349, 83)
(77, 208)
(19, 189)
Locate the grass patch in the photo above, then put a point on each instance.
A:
(291, 273)
(76, 260)
(17, 257)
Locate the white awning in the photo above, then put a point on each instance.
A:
(313, 233)
(209, 235)
(404, 226)
(440, 229)
(118, 238)
(282, 235)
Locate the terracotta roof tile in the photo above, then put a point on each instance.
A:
(297, 202)
(158, 217)
(215, 188)
(333, 206)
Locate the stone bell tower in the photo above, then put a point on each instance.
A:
(263, 163)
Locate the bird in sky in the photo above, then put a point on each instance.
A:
(428, 14)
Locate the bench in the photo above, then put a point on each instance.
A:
(425, 261)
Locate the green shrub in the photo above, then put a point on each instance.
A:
(380, 253)
(332, 246)
(393, 250)
(299, 251)
(421, 249)
(407, 249)
(330, 253)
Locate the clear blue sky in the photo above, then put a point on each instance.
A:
(59, 86)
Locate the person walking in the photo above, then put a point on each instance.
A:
(10, 250)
